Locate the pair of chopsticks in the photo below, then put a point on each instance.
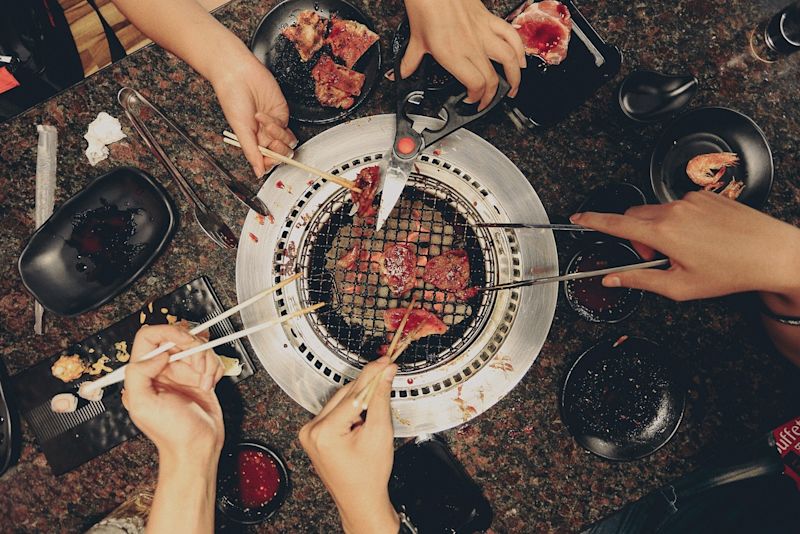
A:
(118, 375)
(364, 396)
(231, 139)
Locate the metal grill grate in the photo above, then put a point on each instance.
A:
(433, 219)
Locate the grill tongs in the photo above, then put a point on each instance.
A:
(133, 102)
(576, 276)
(408, 141)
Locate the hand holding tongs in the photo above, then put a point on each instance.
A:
(408, 142)
(576, 276)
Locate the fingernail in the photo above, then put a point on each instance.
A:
(207, 383)
(291, 155)
(575, 218)
(294, 144)
(611, 281)
(389, 372)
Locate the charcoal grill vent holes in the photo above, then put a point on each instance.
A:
(323, 210)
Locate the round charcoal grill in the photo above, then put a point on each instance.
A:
(492, 338)
(433, 218)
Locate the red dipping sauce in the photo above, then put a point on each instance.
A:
(588, 296)
(259, 478)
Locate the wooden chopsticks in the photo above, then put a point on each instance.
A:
(365, 395)
(231, 139)
(118, 375)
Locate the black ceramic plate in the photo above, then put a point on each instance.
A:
(98, 242)
(294, 75)
(549, 92)
(711, 130)
(588, 297)
(227, 499)
(622, 399)
(9, 425)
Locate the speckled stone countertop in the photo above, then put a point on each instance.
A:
(534, 474)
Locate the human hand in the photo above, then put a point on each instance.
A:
(354, 459)
(716, 246)
(462, 35)
(174, 404)
(256, 110)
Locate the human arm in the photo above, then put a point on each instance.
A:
(354, 460)
(716, 246)
(174, 405)
(463, 36)
(248, 93)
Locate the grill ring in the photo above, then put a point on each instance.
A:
(454, 390)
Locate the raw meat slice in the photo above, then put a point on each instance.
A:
(336, 85)
(349, 40)
(545, 29)
(420, 324)
(448, 271)
(348, 261)
(368, 180)
(398, 265)
(307, 34)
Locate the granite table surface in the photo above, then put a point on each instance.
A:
(535, 475)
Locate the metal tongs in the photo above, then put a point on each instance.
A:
(410, 141)
(132, 102)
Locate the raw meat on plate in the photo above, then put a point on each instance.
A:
(545, 29)
(350, 40)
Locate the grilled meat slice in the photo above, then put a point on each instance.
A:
(420, 323)
(350, 40)
(448, 271)
(336, 85)
(307, 34)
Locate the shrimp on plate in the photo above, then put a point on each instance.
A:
(701, 169)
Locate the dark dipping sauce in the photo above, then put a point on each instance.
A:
(588, 296)
(253, 483)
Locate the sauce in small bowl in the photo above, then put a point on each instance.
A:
(253, 483)
(588, 296)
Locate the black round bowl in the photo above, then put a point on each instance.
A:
(588, 297)
(294, 76)
(623, 399)
(610, 198)
(228, 501)
(712, 130)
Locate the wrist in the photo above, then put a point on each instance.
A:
(381, 517)
(199, 460)
(238, 58)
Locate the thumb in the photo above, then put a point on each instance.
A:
(379, 411)
(412, 58)
(139, 376)
(247, 138)
(666, 283)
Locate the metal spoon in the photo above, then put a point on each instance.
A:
(209, 222)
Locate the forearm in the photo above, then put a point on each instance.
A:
(367, 518)
(186, 29)
(185, 495)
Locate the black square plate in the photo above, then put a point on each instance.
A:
(98, 242)
(69, 440)
(548, 93)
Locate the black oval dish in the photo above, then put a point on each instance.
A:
(622, 399)
(227, 500)
(98, 242)
(588, 297)
(610, 198)
(712, 130)
(649, 96)
(293, 75)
